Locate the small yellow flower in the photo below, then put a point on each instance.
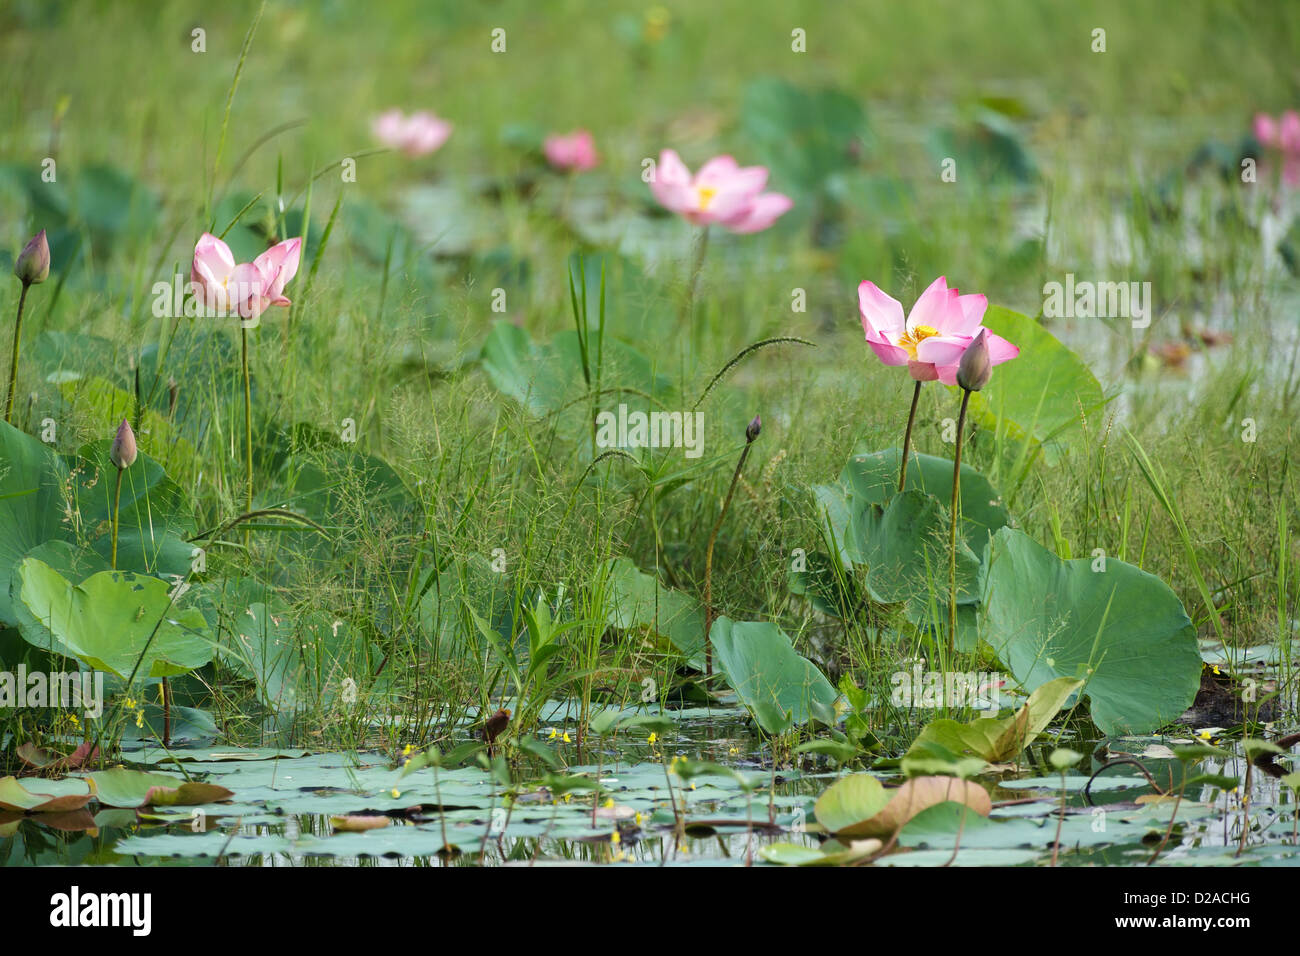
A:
(638, 818)
(652, 738)
(1216, 670)
(406, 751)
(554, 733)
(616, 838)
(395, 792)
(565, 738)
(139, 718)
(609, 801)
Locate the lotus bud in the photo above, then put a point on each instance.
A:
(33, 263)
(754, 428)
(123, 452)
(975, 367)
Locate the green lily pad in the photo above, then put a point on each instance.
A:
(32, 507)
(108, 619)
(998, 740)
(154, 516)
(830, 853)
(905, 547)
(545, 378)
(1041, 396)
(42, 796)
(121, 787)
(639, 600)
(805, 136)
(1121, 630)
(780, 687)
(871, 478)
(858, 805)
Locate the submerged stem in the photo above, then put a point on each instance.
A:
(907, 436)
(956, 517)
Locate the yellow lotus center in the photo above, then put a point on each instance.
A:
(911, 338)
(706, 196)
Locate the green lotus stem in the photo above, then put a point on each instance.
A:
(751, 433)
(248, 422)
(956, 517)
(13, 362)
(907, 436)
(701, 249)
(117, 501)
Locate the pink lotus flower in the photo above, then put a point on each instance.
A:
(721, 192)
(930, 342)
(416, 135)
(248, 289)
(576, 151)
(1283, 135)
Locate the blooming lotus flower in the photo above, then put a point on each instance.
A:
(576, 151)
(247, 289)
(721, 192)
(416, 135)
(931, 340)
(1283, 135)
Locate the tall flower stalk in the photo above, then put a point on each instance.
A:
(122, 454)
(973, 372)
(32, 267)
(722, 192)
(907, 436)
(752, 431)
(248, 421)
(942, 339)
(246, 290)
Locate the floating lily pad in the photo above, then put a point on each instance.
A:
(121, 787)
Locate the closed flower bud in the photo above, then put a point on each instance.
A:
(975, 367)
(123, 452)
(754, 428)
(33, 263)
